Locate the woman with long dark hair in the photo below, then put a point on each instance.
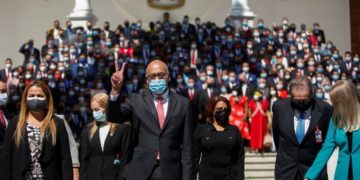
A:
(36, 144)
(218, 144)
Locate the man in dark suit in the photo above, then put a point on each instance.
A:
(30, 52)
(108, 33)
(347, 65)
(163, 127)
(318, 32)
(49, 46)
(204, 96)
(192, 94)
(299, 128)
(6, 73)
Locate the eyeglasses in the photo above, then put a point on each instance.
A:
(159, 75)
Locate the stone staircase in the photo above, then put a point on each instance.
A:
(259, 167)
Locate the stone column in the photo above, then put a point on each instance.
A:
(81, 13)
(240, 10)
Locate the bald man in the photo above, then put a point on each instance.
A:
(163, 127)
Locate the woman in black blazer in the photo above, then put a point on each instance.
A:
(219, 144)
(103, 145)
(36, 144)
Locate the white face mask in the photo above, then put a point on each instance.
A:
(234, 93)
(246, 69)
(272, 93)
(262, 85)
(3, 99)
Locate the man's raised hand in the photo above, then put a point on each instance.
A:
(117, 79)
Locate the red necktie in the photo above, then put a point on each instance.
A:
(161, 117)
(193, 62)
(2, 117)
(160, 111)
(191, 94)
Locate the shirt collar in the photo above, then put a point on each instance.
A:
(307, 112)
(165, 96)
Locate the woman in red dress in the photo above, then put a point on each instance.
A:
(258, 108)
(238, 116)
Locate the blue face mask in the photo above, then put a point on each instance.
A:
(99, 116)
(319, 95)
(223, 90)
(158, 86)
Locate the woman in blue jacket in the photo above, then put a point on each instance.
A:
(343, 132)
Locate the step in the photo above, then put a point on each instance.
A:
(259, 167)
(260, 160)
(260, 178)
(260, 155)
(259, 174)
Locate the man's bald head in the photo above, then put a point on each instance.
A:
(156, 66)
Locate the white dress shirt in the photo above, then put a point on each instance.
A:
(103, 132)
(307, 119)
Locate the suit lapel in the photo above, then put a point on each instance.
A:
(96, 140)
(108, 139)
(149, 101)
(290, 116)
(170, 110)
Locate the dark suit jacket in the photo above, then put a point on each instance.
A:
(294, 159)
(55, 160)
(203, 100)
(3, 75)
(174, 141)
(99, 164)
(193, 101)
(8, 117)
(222, 153)
(2, 136)
(27, 52)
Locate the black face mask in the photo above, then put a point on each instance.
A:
(222, 116)
(36, 105)
(301, 105)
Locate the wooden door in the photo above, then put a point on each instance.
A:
(355, 25)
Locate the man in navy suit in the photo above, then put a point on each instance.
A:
(296, 123)
(162, 122)
(30, 52)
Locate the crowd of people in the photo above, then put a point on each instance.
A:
(248, 67)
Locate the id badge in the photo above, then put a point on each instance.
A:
(117, 162)
(318, 137)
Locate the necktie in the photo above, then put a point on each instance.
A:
(2, 118)
(191, 94)
(193, 62)
(160, 111)
(300, 129)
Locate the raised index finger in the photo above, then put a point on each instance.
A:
(116, 65)
(122, 68)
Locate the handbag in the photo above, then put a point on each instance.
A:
(267, 140)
